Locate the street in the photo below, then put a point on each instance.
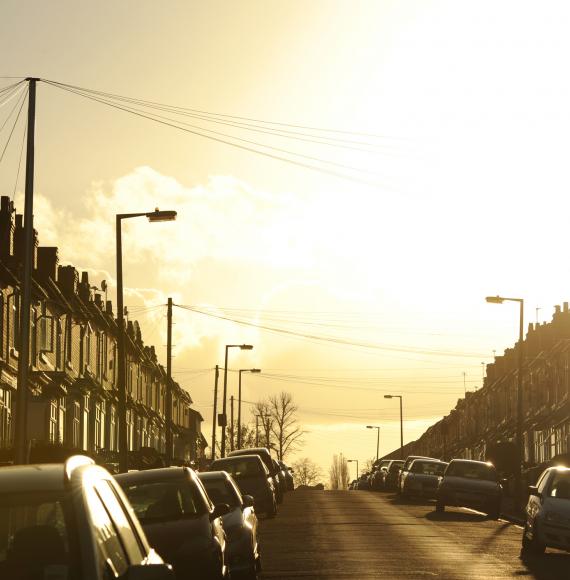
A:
(337, 534)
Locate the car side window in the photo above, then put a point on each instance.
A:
(205, 498)
(122, 522)
(111, 552)
(542, 481)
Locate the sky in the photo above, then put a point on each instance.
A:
(429, 141)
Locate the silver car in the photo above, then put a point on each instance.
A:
(422, 478)
(473, 484)
(548, 512)
(240, 524)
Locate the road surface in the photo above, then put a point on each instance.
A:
(359, 534)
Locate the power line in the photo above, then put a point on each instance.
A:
(13, 126)
(173, 124)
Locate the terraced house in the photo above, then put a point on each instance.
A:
(73, 360)
(483, 424)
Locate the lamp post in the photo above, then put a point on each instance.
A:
(377, 438)
(354, 461)
(401, 423)
(228, 346)
(239, 403)
(519, 439)
(153, 216)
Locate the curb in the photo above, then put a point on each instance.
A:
(518, 520)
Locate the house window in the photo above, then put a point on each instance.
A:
(62, 415)
(99, 425)
(1, 323)
(85, 424)
(16, 310)
(112, 428)
(5, 417)
(53, 416)
(75, 424)
(130, 429)
(58, 350)
(33, 337)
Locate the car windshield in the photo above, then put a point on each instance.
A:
(38, 525)
(472, 471)
(395, 466)
(164, 500)
(221, 491)
(428, 468)
(238, 468)
(560, 487)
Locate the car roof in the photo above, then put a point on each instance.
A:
(154, 475)
(428, 460)
(250, 451)
(250, 457)
(45, 476)
(23, 478)
(214, 475)
(472, 462)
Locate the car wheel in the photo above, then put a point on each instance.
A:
(439, 507)
(531, 546)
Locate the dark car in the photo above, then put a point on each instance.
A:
(288, 476)
(240, 524)
(377, 480)
(179, 519)
(273, 469)
(282, 476)
(252, 478)
(390, 479)
(71, 521)
(473, 484)
(406, 467)
(422, 478)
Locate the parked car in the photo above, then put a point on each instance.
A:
(282, 477)
(405, 468)
(390, 479)
(473, 484)
(422, 478)
(179, 519)
(240, 523)
(362, 482)
(71, 521)
(288, 476)
(253, 478)
(548, 512)
(377, 481)
(265, 455)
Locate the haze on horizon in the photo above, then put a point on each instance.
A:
(461, 193)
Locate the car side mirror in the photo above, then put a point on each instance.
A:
(247, 500)
(533, 490)
(220, 509)
(150, 572)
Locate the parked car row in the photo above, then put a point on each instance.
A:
(476, 485)
(80, 522)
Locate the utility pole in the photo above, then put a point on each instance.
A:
(21, 427)
(215, 417)
(232, 423)
(169, 384)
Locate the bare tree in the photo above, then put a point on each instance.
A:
(262, 410)
(368, 464)
(306, 471)
(338, 473)
(285, 428)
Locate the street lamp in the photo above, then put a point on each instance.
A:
(354, 461)
(377, 439)
(401, 422)
(228, 346)
(153, 216)
(239, 403)
(519, 438)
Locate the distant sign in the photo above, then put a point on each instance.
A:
(222, 420)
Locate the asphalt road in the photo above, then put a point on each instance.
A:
(359, 534)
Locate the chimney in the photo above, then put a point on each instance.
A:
(84, 287)
(19, 243)
(68, 279)
(47, 263)
(109, 307)
(98, 301)
(6, 228)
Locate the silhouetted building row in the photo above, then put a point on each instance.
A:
(73, 362)
(483, 424)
